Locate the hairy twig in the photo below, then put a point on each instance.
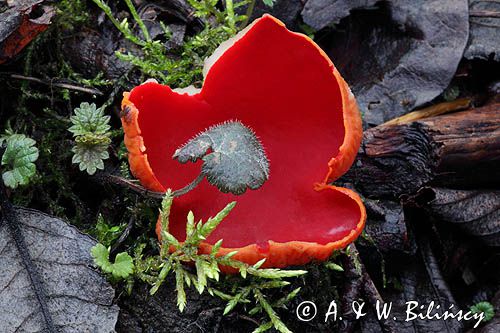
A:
(132, 185)
(10, 217)
(152, 194)
(189, 187)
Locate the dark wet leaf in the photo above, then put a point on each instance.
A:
(484, 38)
(287, 11)
(475, 212)
(420, 280)
(19, 24)
(321, 13)
(233, 158)
(79, 298)
(386, 226)
(395, 56)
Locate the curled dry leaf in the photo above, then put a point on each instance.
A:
(79, 298)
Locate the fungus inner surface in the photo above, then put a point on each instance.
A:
(282, 86)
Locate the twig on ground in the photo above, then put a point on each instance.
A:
(431, 111)
(62, 85)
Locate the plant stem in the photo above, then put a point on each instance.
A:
(230, 14)
(144, 191)
(124, 30)
(133, 186)
(249, 12)
(138, 19)
(10, 217)
(61, 85)
(189, 187)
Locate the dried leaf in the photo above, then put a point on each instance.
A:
(484, 39)
(475, 212)
(18, 26)
(396, 55)
(235, 160)
(79, 298)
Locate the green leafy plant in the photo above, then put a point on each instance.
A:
(207, 268)
(181, 67)
(19, 157)
(91, 130)
(121, 268)
(486, 308)
(269, 3)
(106, 234)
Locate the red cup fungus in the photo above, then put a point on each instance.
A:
(284, 87)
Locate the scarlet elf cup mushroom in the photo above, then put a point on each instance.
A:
(284, 87)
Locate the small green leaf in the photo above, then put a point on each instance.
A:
(263, 327)
(166, 205)
(237, 160)
(19, 156)
(274, 273)
(269, 3)
(91, 131)
(89, 119)
(334, 267)
(121, 268)
(259, 263)
(200, 272)
(123, 265)
(179, 286)
(216, 248)
(101, 257)
(213, 222)
(190, 223)
(277, 323)
(486, 308)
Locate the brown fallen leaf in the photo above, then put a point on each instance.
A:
(19, 25)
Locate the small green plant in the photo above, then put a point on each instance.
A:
(91, 130)
(121, 268)
(484, 307)
(19, 157)
(207, 268)
(181, 67)
(106, 234)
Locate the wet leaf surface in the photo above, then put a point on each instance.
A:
(484, 39)
(386, 226)
(79, 298)
(475, 212)
(395, 56)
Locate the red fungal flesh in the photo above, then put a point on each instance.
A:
(277, 83)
